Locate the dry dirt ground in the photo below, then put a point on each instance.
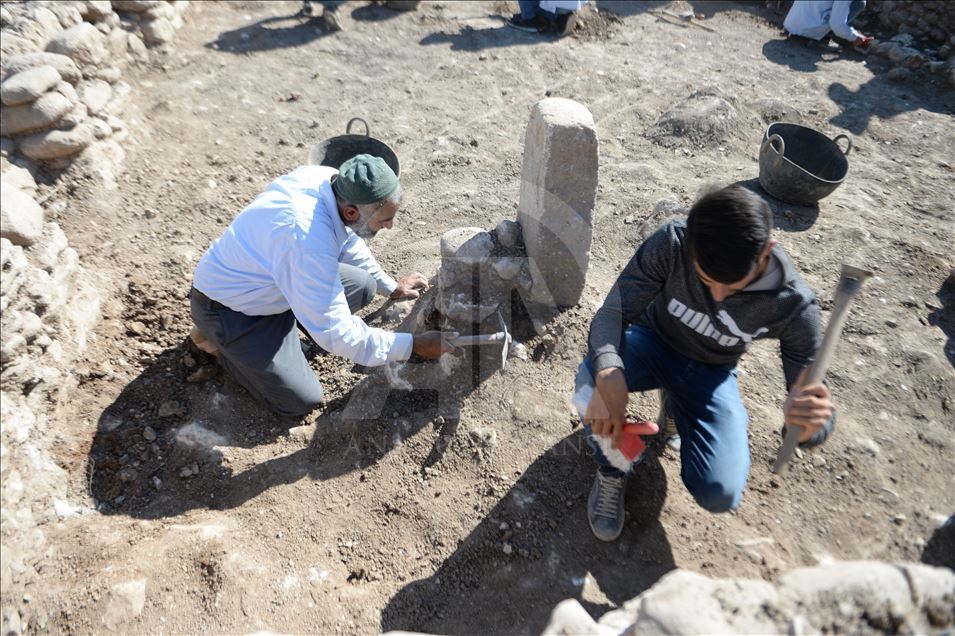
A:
(460, 507)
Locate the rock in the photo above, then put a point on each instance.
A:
(903, 39)
(169, 408)
(558, 188)
(36, 26)
(135, 6)
(95, 10)
(508, 233)
(452, 240)
(703, 118)
(17, 177)
(158, 31)
(899, 74)
(101, 161)
(53, 144)
(476, 249)
(508, 268)
(19, 63)
(109, 74)
(569, 618)
(136, 46)
(149, 434)
(73, 118)
(27, 86)
(718, 606)
(117, 41)
(66, 90)
(84, 44)
(124, 602)
(7, 146)
(772, 110)
(67, 15)
(202, 374)
(101, 130)
(95, 93)
(42, 113)
(22, 217)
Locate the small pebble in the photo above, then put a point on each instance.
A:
(898, 519)
(508, 548)
(149, 434)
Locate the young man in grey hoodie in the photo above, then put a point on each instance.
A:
(682, 312)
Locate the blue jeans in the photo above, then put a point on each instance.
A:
(855, 8)
(710, 416)
(530, 9)
(264, 354)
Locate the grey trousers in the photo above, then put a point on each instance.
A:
(264, 354)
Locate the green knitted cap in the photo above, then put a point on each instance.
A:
(365, 179)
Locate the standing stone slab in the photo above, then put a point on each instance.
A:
(558, 187)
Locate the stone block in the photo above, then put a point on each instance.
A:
(42, 113)
(22, 216)
(558, 187)
(95, 93)
(66, 90)
(83, 44)
(18, 63)
(29, 85)
(54, 144)
(73, 118)
(137, 48)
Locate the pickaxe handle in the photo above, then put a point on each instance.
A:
(849, 284)
(483, 339)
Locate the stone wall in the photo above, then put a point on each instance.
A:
(62, 96)
(932, 20)
(62, 88)
(843, 597)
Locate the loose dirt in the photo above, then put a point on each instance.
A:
(460, 507)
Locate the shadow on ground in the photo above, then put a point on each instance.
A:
(277, 32)
(537, 544)
(940, 549)
(944, 318)
(165, 446)
(788, 217)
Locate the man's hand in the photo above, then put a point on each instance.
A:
(431, 344)
(863, 42)
(608, 406)
(411, 286)
(808, 407)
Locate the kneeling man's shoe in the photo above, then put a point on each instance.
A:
(605, 504)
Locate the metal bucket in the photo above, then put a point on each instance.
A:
(337, 150)
(801, 165)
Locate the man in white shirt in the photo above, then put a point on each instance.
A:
(814, 19)
(297, 254)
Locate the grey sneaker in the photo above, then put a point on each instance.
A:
(605, 505)
(667, 425)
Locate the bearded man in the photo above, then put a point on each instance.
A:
(297, 256)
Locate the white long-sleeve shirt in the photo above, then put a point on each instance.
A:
(815, 18)
(282, 252)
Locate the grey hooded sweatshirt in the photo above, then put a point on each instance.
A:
(660, 288)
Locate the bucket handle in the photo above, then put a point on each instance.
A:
(365, 124)
(782, 146)
(848, 143)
